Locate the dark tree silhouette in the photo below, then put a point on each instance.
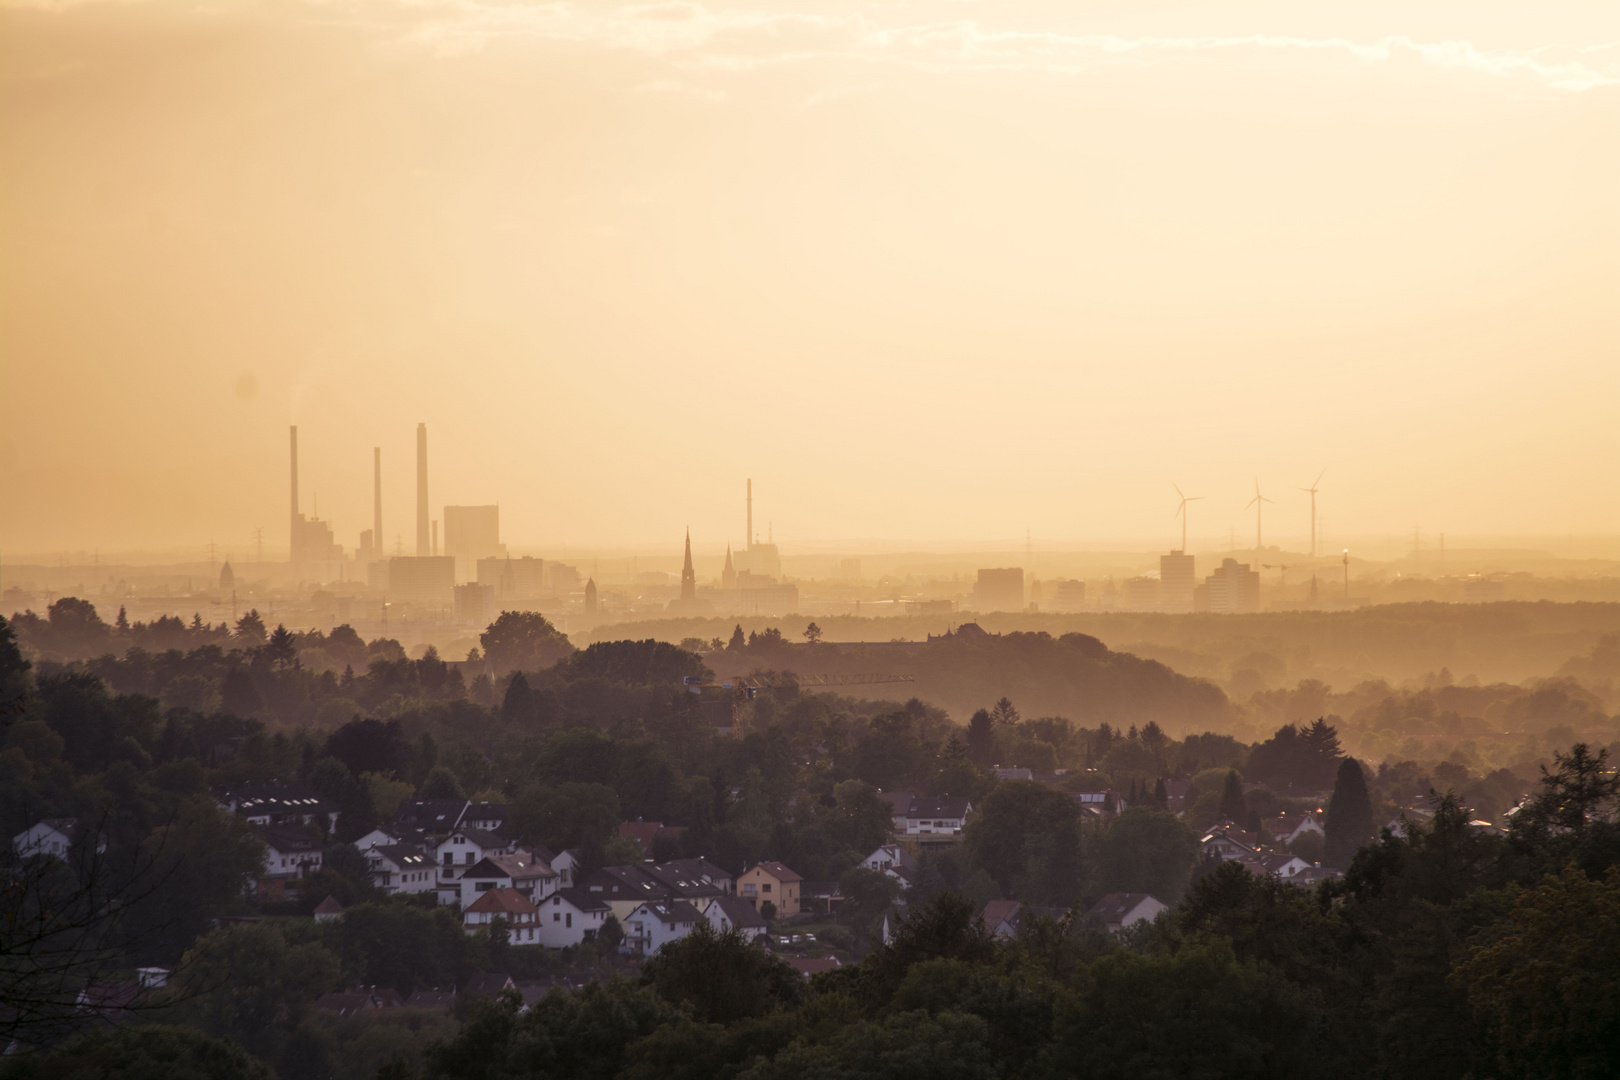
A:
(517, 707)
(1349, 820)
(1234, 807)
(981, 739)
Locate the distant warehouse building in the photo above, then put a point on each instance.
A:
(427, 582)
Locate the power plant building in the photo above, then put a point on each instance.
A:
(311, 548)
(1231, 589)
(514, 580)
(471, 534)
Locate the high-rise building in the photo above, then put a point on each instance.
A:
(1000, 589)
(1233, 588)
(423, 543)
(472, 533)
(1177, 580)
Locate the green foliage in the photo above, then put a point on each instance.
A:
(523, 641)
(1196, 1012)
(249, 983)
(150, 1052)
(398, 945)
(568, 815)
(1145, 850)
(1027, 837)
(1546, 982)
(721, 978)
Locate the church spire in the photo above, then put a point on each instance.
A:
(728, 576)
(688, 577)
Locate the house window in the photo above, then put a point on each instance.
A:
(556, 917)
(570, 921)
(767, 888)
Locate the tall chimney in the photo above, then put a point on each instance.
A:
(422, 542)
(750, 536)
(376, 500)
(292, 519)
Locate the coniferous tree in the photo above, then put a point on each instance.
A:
(1161, 795)
(737, 642)
(981, 738)
(1349, 820)
(518, 705)
(1234, 807)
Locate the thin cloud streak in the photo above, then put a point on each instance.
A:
(736, 40)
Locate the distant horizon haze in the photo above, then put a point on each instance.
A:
(920, 269)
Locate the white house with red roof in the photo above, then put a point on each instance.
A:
(522, 917)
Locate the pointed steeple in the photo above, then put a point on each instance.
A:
(688, 577)
(728, 576)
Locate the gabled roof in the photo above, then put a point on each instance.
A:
(67, 826)
(676, 911)
(929, 806)
(1115, 906)
(899, 801)
(996, 912)
(808, 966)
(682, 884)
(287, 839)
(434, 815)
(626, 882)
(501, 902)
(486, 811)
(486, 982)
(520, 866)
(698, 868)
(403, 856)
(778, 871)
(432, 999)
(740, 913)
(276, 797)
(329, 906)
(483, 838)
(581, 898)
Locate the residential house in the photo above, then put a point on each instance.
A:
(705, 870)
(812, 965)
(487, 816)
(656, 923)
(401, 868)
(487, 984)
(1100, 803)
(358, 1002)
(519, 870)
(436, 816)
(625, 888)
(1226, 841)
(462, 849)
(434, 1000)
(290, 852)
(278, 803)
(892, 859)
(937, 816)
(899, 803)
(1116, 911)
(684, 883)
(391, 835)
(522, 917)
(1176, 792)
(569, 917)
(51, 836)
(328, 909)
(771, 882)
(733, 912)
(565, 863)
(1290, 827)
(1287, 867)
(1004, 918)
(889, 927)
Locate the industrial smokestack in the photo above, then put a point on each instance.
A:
(422, 542)
(292, 518)
(376, 500)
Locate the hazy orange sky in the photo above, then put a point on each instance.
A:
(923, 270)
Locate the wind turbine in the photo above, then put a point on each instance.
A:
(1313, 489)
(1182, 512)
(1258, 502)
